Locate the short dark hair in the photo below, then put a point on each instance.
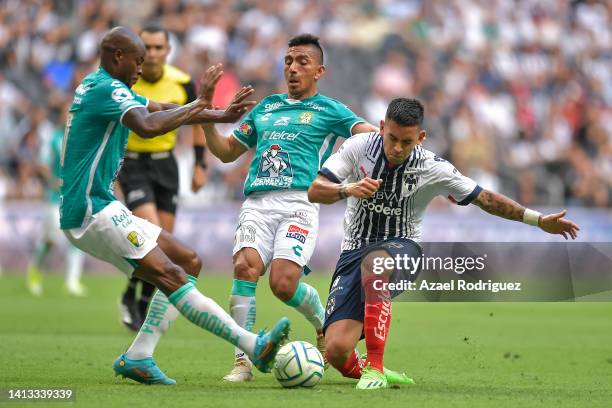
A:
(307, 39)
(155, 27)
(406, 112)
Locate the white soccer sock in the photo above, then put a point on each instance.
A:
(243, 307)
(74, 265)
(159, 317)
(207, 314)
(306, 301)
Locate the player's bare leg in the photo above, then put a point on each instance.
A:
(132, 310)
(286, 284)
(377, 320)
(162, 313)
(166, 221)
(248, 267)
(341, 338)
(177, 294)
(131, 315)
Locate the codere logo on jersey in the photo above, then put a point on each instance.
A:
(381, 208)
(298, 233)
(136, 239)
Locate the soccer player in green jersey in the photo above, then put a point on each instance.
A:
(292, 135)
(103, 110)
(50, 169)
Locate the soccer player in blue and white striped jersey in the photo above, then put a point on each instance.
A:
(389, 179)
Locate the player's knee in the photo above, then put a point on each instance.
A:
(337, 351)
(244, 271)
(169, 277)
(377, 263)
(193, 266)
(283, 286)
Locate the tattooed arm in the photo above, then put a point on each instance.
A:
(502, 206)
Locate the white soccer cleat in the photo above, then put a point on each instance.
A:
(242, 371)
(35, 288)
(35, 282)
(76, 289)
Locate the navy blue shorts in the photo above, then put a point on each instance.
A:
(346, 298)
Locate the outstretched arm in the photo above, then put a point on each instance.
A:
(160, 118)
(502, 206)
(148, 125)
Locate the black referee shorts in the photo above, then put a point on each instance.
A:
(150, 178)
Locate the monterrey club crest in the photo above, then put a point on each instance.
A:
(410, 182)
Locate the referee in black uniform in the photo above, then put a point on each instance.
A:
(149, 176)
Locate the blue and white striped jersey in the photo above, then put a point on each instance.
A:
(396, 209)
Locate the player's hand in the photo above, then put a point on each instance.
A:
(556, 224)
(239, 106)
(364, 188)
(208, 83)
(199, 178)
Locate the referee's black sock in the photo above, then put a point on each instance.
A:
(130, 291)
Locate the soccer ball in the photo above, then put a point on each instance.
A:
(298, 364)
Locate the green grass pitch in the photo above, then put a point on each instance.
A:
(460, 354)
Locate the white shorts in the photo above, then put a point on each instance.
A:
(116, 236)
(278, 224)
(51, 223)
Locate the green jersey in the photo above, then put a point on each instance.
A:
(93, 146)
(50, 153)
(292, 139)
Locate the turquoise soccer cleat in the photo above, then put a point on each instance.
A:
(268, 343)
(143, 371)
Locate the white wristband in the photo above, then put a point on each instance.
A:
(531, 217)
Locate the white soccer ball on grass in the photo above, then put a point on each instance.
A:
(298, 364)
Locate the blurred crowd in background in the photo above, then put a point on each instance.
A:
(518, 94)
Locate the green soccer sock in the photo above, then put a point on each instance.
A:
(243, 306)
(208, 315)
(306, 301)
(160, 316)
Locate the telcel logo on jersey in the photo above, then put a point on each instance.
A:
(298, 233)
(381, 208)
(276, 135)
